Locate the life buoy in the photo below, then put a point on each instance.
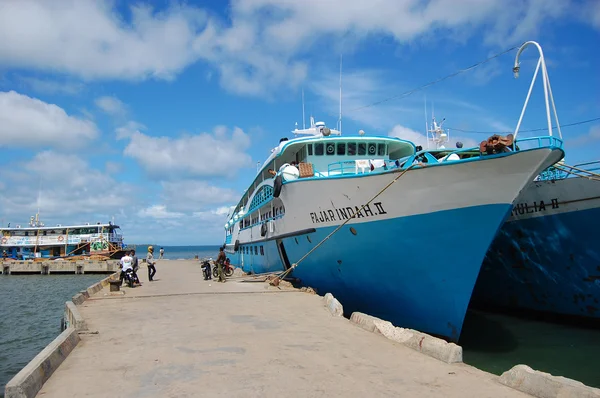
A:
(277, 184)
(61, 238)
(263, 229)
(4, 240)
(236, 246)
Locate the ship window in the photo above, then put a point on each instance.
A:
(255, 251)
(352, 148)
(262, 250)
(381, 149)
(372, 148)
(341, 148)
(362, 148)
(330, 148)
(26, 233)
(309, 147)
(319, 149)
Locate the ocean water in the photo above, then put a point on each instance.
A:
(495, 342)
(179, 252)
(31, 309)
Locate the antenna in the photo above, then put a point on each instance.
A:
(303, 117)
(340, 117)
(39, 199)
(426, 125)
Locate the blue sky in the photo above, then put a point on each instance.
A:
(156, 113)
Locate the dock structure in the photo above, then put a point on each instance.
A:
(181, 336)
(29, 267)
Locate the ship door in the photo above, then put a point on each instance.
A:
(283, 254)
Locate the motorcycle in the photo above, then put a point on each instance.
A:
(206, 270)
(129, 278)
(227, 269)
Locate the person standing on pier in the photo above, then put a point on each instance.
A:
(220, 264)
(135, 265)
(151, 263)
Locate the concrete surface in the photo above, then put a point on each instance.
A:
(544, 385)
(73, 318)
(60, 267)
(181, 336)
(30, 379)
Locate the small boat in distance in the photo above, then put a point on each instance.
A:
(61, 241)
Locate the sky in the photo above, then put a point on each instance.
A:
(156, 113)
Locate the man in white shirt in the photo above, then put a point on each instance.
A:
(126, 264)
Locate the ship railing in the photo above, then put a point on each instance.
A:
(543, 141)
(584, 170)
(228, 239)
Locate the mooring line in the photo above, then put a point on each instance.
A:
(284, 273)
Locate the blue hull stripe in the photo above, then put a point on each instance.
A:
(417, 271)
(549, 263)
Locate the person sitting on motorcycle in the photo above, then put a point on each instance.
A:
(126, 266)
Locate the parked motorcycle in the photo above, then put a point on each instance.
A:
(206, 270)
(227, 269)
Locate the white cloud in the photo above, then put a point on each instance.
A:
(128, 129)
(70, 190)
(47, 86)
(91, 40)
(113, 167)
(189, 195)
(263, 45)
(112, 106)
(360, 89)
(417, 138)
(159, 212)
(593, 134)
(218, 154)
(26, 121)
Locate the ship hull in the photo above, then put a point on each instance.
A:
(547, 258)
(413, 255)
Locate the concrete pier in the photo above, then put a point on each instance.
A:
(59, 267)
(181, 336)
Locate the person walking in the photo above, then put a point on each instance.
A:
(161, 253)
(151, 263)
(220, 264)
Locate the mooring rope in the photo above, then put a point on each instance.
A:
(284, 273)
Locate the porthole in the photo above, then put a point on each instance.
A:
(372, 148)
(330, 148)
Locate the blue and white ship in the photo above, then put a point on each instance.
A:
(414, 227)
(547, 257)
